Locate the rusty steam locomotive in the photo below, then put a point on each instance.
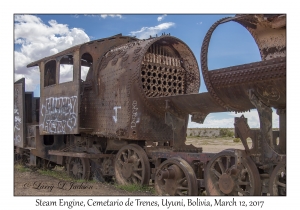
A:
(128, 118)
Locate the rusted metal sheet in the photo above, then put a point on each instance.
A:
(269, 32)
(124, 80)
(188, 152)
(58, 114)
(59, 103)
(124, 75)
(81, 155)
(19, 113)
(230, 86)
(198, 105)
(32, 136)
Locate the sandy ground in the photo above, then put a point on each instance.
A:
(215, 145)
(31, 182)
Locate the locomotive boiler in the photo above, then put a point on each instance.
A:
(128, 118)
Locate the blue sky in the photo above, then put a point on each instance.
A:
(37, 36)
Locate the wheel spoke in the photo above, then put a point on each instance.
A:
(138, 161)
(227, 162)
(134, 180)
(216, 173)
(244, 171)
(180, 181)
(120, 162)
(129, 153)
(137, 169)
(184, 183)
(136, 175)
(243, 183)
(125, 157)
(221, 166)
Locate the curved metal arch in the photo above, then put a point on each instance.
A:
(271, 44)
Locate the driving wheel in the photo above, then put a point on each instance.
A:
(223, 176)
(175, 177)
(78, 168)
(277, 185)
(132, 166)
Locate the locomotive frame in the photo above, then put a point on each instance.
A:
(128, 119)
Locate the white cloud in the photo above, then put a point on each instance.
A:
(66, 73)
(228, 122)
(35, 40)
(145, 32)
(92, 15)
(253, 119)
(105, 16)
(211, 122)
(200, 23)
(160, 18)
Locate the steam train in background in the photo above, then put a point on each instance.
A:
(128, 118)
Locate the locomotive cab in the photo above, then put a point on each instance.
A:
(62, 84)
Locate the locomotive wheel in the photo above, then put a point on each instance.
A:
(132, 166)
(223, 177)
(78, 168)
(277, 185)
(175, 177)
(45, 164)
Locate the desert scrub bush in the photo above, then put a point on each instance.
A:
(225, 132)
(199, 133)
(236, 140)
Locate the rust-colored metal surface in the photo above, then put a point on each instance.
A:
(129, 117)
(25, 116)
(19, 115)
(79, 154)
(277, 184)
(260, 85)
(176, 177)
(132, 165)
(229, 86)
(126, 77)
(60, 102)
(224, 175)
(78, 168)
